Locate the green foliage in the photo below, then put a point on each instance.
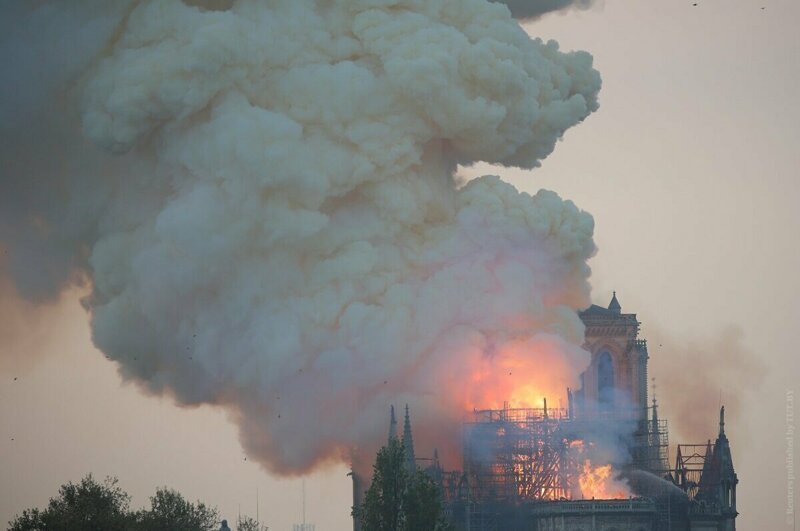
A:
(398, 500)
(423, 505)
(169, 511)
(93, 506)
(381, 510)
(245, 523)
(85, 506)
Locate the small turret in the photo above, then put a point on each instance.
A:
(654, 417)
(655, 459)
(727, 475)
(614, 305)
(718, 479)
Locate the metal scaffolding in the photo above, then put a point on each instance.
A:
(516, 459)
(512, 455)
(650, 447)
(690, 462)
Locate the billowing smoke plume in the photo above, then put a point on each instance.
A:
(262, 197)
(535, 8)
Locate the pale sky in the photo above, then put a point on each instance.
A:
(689, 171)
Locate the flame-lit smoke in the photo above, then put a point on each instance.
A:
(520, 372)
(262, 196)
(597, 478)
(600, 482)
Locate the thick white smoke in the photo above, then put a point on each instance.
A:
(275, 226)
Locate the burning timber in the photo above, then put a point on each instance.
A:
(601, 463)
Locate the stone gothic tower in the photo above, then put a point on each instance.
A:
(616, 379)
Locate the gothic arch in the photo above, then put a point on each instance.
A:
(605, 378)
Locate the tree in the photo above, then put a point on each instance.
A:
(85, 506)
(92, 506)
(169, 511)
(246, 523)
(423, 505)
(399, 500)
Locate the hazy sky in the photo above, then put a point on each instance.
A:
(688, 169)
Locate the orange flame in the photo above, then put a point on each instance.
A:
(598, 482)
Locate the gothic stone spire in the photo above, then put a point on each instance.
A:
(392, 425)
(408, 443)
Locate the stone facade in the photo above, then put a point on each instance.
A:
(591, 515)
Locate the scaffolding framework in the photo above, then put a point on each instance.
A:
(650, 448)
(691, 461)
(517, 455)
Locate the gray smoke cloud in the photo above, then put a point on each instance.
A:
(536, 8)
(262, 198)
(698, 374)
(52, 188)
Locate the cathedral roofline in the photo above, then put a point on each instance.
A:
(597, 316)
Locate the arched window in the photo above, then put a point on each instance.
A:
(605, 379)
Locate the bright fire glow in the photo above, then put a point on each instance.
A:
(598, 482)
(520, 371)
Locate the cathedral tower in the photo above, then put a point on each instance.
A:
(616, 379)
